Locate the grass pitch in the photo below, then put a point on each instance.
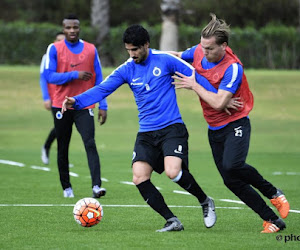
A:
(34, 215)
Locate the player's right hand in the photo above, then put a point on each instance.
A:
(67, 103)
(47, 104)
(84, 75)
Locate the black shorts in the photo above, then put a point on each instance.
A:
(152, 147)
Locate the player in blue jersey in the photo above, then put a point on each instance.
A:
(47, 94)
(162, 140)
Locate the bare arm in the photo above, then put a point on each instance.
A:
(218, 101)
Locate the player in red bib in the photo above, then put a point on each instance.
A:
(229, 134)
(73, 65)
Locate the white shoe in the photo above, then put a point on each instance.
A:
(209, 214)
(172, 224)
(98, 191)
(45, 156)
(68, 193)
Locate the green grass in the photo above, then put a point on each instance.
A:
(275, 147)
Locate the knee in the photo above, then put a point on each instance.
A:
(234, 184)
(90, 143)
(231, 165)
(141, 172)
(172, 172)
(138, 179)
(227, 178)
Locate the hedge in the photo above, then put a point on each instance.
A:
(272, 46)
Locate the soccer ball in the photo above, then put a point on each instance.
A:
(88, 212)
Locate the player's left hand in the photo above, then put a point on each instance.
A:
(183, 81)
(102, 115)
(234, 103)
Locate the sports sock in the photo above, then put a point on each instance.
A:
(187, 182)
(154, 198)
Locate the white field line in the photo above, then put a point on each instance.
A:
(115, 205)
(286, 173)
(40, 168)
(118, 205)
(181, 192)
(19, 164)
(73, 174)
(132, 184)
(12, 163)
(232, 201)
(127, 183)
(226, 200)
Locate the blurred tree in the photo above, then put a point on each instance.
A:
(135, 11)
(194, 12)
(100, 21)
(242, 13)
(169, 32)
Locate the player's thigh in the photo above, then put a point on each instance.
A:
(84, 122)
(63, 124)
(236, 146)
(141, 172)
(146, 151)
(175, 148)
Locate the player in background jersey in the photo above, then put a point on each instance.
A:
(73, 66)
(162, 141)
(47, 94)
(229, 135)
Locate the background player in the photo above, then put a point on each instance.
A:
(73, 65)
(47, 94)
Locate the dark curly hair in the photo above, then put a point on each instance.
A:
(136, 35)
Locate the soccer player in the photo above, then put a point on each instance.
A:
(162, 140)
(47, 94)
(73, 65)
(229, 135)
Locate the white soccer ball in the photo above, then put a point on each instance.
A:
(88, 212)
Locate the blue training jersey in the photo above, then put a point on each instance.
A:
(61, 78)
(151, 84)
(43, 81)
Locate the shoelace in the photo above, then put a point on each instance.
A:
(280, 199)
(168, 223)
(271, 227)
(205, 210)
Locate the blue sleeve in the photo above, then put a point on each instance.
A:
(187, 69)
(43, 81)
(232, 78)
(51, 66)
(188, 55)
(97, 68)
(103, 104)
(99, 77)
(100, 91)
